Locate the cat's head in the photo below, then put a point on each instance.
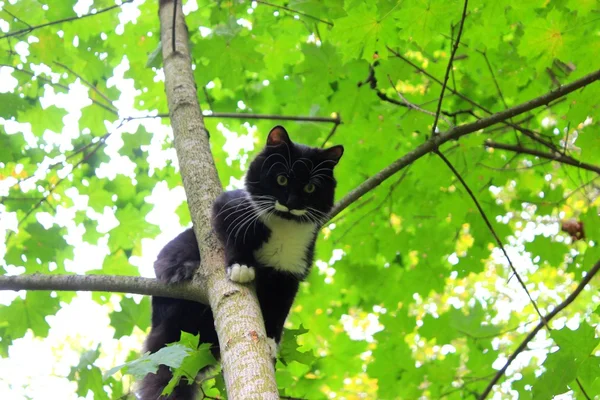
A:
(293, 181)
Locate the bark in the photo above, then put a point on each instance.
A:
(247, 365)
(104, 283)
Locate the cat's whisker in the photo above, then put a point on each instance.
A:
(248, 218)
(289, 155)
(252, 222)
(287, 163)
(246, 208)
(303, 162)
(318, 212)
(234, 224)
(278, 162)
(249, 225)
(222, 209)
(323, 162)
(320, 175)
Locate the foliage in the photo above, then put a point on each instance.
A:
(411, 297)
(184, 357)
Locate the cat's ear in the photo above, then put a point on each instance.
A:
(277, 136)
(334, 153)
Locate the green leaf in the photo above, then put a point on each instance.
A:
(548, 250)
(131, 315)
(362, 34)
(198, 358)
(288, 350)
(24, 314)
(128, 234)
(171, 356)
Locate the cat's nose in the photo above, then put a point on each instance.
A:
(293, 202)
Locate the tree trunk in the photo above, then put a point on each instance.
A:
(247, 365)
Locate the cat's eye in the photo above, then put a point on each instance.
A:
(309, 188)
(282, 180)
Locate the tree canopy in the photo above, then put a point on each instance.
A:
(461, 257)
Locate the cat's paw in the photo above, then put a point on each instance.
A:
(240, 273)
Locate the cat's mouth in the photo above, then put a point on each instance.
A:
(284, 209)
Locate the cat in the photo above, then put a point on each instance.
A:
(268, 230)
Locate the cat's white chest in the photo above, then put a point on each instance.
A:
(286, 248)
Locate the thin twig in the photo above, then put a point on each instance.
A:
(331, 133)
(273, 117)
(88, 84)
(14, 16)
(51, 190)
(491, 228)
(73, 154)
(449, 67)
(60, 21)
(582, 389)
(555, 157)
(377, 207)
(58, 85)
(295, 11)
(416, 107)
(540, 326)
(513, 169)
(489, 66)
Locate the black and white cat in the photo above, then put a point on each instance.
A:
(269, 232)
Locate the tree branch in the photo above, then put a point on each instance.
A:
(455, 133)
(104, 283)
(273, 117)
(245, 354)
(449, 67)
(539, 327)
(491, 228)
(60, 21)
(563, 159)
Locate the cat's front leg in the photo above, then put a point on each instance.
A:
(239, 266)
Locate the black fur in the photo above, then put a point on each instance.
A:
(240, 219)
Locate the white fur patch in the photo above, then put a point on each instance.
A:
(286, 248)
(273, 348)
(240, 273)
(298, 212)
(280, 207)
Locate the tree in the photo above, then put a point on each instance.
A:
(465, 238)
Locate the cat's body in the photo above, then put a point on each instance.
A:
(269, 232)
